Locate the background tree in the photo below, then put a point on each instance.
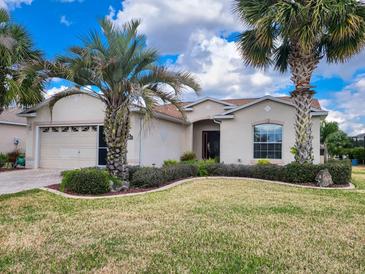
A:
(336, 142)
(327, 128)
(16, 52)
(123, 74)
(295, 35)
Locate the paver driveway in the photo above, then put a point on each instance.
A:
(15, 181)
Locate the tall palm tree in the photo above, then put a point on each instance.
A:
(16, 51)
(123, 73)
(296, 35)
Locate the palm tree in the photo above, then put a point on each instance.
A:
(296, 35)
(16, 51)
(327, 129)
(123, 73)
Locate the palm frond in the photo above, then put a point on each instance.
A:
(4, 16)
(254, 53)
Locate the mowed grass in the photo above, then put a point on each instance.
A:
(209, 226)
(358, 177)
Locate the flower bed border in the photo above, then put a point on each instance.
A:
(166, 187)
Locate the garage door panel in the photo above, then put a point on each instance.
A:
(68, 150)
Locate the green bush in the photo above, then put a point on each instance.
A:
(156, 177)
(269, 172)
(188, 156)
(301, 173)
(359, 153)
(180, 171)
(87, 181)
(132, 170)
(148, 177)
(263, 162)
(3, 159)
(167, 163)
(292, 173)
(341, 171)
(203, 166)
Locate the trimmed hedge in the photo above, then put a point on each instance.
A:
(292, 173)
(156, 177)
(87, 181)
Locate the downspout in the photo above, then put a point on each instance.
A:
(220, 143)
(140, 142)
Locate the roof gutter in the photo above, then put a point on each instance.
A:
(12, 123)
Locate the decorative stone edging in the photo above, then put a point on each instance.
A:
(350, 187)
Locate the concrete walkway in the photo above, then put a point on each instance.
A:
(20, 180)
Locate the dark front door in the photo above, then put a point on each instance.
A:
(211, 144)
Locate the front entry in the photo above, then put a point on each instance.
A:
(211, 144)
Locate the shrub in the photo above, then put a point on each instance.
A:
(131, 171)
(87, 181)
(269, 172)
(180, 171)
(203, 166)
(156, 177)
(358, 153)
(12, 156)
(341, 171)
(148, 177)
(263, 162)
(301, 173)
(188, 156)
(3, 159)
(167, 163)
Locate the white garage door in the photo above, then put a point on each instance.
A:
(68, 147)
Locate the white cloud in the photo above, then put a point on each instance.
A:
(348, 107)
(65, 21)
(11, 4)
(221, 71)
(54, 90)
(169, 24)
(344, 70)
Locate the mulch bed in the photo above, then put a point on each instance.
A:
(139, 190)
(132, 190)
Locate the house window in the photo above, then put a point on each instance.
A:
(268, 140)
(102, 147)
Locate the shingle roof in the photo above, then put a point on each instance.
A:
(10, 116)
(174, 112)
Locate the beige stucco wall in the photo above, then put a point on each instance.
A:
(237, 134)
(204, 111)
(161, 139)
(199, 127)
(8, 133)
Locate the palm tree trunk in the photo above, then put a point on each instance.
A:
(302, 67)
(116, 130)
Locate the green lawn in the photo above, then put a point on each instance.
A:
(358, 177)
(204, 226)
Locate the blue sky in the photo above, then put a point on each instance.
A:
(197, 36)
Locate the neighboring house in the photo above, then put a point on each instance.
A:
(238, 131)
(13, 130)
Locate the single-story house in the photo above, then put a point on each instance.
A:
(239, 131)
(13, 131)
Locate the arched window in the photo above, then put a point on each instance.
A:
(268, 140)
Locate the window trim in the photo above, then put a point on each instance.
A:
(267, 143)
